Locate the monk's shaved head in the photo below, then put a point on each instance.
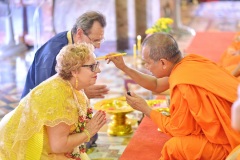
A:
(162, 45)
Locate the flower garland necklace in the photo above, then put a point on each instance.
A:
(85, 115)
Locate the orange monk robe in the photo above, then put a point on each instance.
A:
(201, 96)
(235, 45)
(230, 61)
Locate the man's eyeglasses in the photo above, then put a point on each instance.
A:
(94, 42)
(93, 67)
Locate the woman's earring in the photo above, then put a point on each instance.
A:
(76, 83)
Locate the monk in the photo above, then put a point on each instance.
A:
(236, 71)
(201, 96)
(231, 57)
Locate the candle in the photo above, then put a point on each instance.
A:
(134, 51)
(139, 43)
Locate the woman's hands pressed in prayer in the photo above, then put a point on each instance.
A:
(96, 123)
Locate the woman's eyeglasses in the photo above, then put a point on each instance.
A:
(93, 67)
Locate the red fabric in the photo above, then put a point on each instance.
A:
(146, 142)
(210, 44)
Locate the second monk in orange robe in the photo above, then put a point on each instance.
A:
(231, 57)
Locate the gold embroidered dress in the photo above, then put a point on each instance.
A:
(23, 133)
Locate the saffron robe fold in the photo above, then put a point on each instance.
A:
(201, 95)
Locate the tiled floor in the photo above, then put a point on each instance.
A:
(215, 16)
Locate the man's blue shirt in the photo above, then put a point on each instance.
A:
(44, 62)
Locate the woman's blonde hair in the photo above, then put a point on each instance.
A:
(72, 57)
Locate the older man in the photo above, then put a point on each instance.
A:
(201, 96)
(89, 27)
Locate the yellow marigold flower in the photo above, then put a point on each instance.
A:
(169, 21)
(161, 25)
(164, 26)
(150, 31)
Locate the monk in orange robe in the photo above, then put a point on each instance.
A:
(231, 57)
(201, 95)
(236, 71)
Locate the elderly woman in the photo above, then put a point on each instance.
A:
(55, 120)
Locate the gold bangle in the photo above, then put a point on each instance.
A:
(88, 134)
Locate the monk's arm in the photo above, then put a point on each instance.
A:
(160, 120)
(149, 82)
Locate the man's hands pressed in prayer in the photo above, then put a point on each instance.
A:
(96, 91)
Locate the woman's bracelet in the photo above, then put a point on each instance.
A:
(88, 134)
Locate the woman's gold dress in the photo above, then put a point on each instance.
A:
(23, 131)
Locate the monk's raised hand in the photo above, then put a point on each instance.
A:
(138, 103)
(117, 61)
